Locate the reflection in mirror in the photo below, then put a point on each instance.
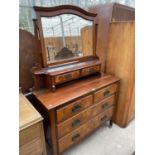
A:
(67, 36)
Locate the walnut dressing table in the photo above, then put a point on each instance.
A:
(70, 91)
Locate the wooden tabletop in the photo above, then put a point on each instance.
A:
(73, 90)
(28, 115)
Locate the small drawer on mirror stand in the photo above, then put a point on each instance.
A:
(67, 77)
(90, 70)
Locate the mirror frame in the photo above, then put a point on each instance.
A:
(59, 10)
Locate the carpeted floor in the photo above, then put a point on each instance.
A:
(105, 141)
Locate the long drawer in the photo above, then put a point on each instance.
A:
(105, 92)
(84, 130)
(74, 108)
(74, 122)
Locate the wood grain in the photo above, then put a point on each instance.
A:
(27, 113)
(27, 59)
(105, 92)
(107, 13)
(73, 90)
(84, 130)
(103, 105)
(90, 70)
(87, 40)
(80, 104)
(74, 136)
(60, 134)
(120, 62)
(31, 134)
(67, 77)
(70, 124)
(102, 117)
(34, 147)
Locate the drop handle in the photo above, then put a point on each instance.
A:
(68, 76)
(76, 123)
(106, 93)
(75, 137)
(76, 108)
(105, 105)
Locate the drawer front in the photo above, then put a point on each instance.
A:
(67, 77)
(102, 117)
(29, 134)
(74, 122)
(74, 108)
(90, 70)
(105, 92)
(32, 148)
(74, 137)
(103, 105)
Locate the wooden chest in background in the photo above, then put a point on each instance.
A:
(31, 133)
(107, 13)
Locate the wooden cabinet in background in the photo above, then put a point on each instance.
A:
(107, 13)
(31, 133)
(121, 62)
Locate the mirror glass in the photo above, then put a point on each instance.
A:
(67, 36)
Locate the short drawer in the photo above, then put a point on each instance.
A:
(90, 70)
(74, 136)
(105, 92)
(74, 108)
(103, 105)
(29, 134)
(67, 77)
(74, 122)
(103, 117)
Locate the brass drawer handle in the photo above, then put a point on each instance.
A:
(76, 123)
(106, 93)
(104, 118)
(68, 76)
(105, 105)
(77, 136)
(76, 108)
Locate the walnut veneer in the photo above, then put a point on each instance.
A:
(76, 109)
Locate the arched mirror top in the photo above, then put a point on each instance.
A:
(67, 33)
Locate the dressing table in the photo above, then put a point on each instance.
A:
(70, 91)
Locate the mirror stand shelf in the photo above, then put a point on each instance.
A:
(51, 76)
